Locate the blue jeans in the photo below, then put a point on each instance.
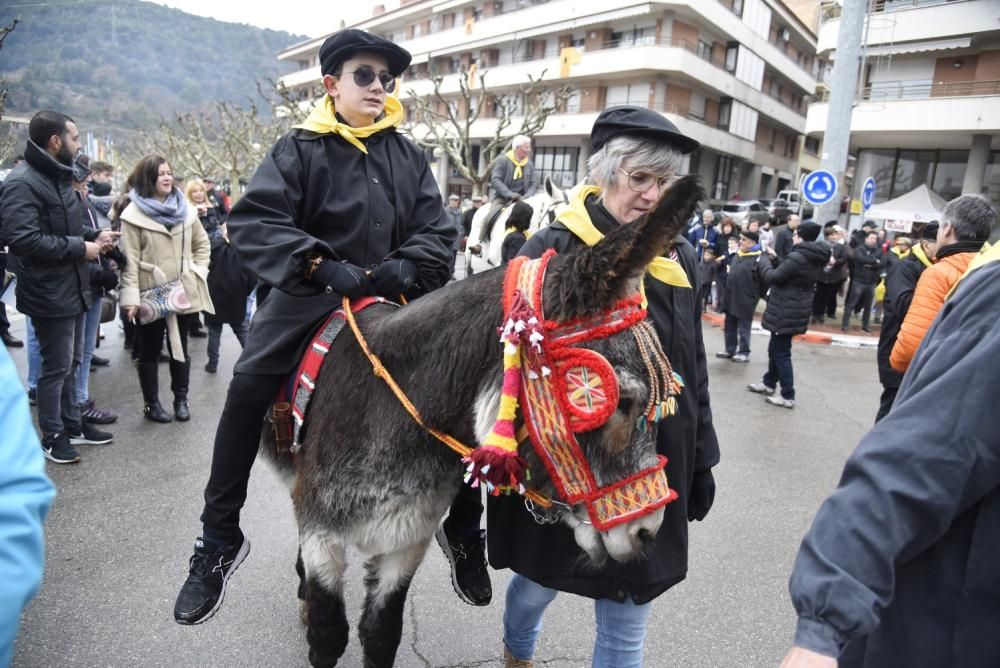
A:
(60, 341)
(90, 327)
(215, 337)
(34, 355)
(779, 365)
(734, 326)
(621, 627)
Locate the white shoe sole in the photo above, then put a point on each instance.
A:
(240, 556)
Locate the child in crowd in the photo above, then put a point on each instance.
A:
(707, 271)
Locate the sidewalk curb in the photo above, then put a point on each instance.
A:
(814, 337)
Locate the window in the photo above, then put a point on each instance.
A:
(558, 162)
(725, 111)
(704, 50)
(811, 146)
(723, 172)
(950, 173)
(732, 50)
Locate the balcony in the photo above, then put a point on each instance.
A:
(921, 90)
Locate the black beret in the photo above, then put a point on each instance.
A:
(752, 236)
(638, 122)
(342, 45)
(808, 231)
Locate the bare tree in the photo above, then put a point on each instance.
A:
(229, 140)
(8, 137)
(445, 121)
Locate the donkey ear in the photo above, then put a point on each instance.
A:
(549, 186)
(592, 279)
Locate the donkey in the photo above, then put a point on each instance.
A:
(369, 476)
(545, 204)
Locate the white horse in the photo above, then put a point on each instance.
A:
(545, 202)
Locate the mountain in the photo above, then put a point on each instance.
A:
(122, 64)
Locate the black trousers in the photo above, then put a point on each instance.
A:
(466, 511)
(886, 401)
(862, 296)
(236, 442)
(826, 293)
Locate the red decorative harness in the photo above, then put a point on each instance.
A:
(565, 390)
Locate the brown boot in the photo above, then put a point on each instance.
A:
(511, 662)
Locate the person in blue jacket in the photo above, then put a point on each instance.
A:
(900, 565)
(25, 495)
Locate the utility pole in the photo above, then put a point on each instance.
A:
(843, 87)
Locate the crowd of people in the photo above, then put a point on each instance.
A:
(305, 233)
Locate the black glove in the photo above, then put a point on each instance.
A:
(702, 495)
(343, 277)
(107, 279)
(393, 278)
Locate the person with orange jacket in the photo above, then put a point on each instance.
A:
(967, 223)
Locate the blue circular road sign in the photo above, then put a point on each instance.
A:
(868, 193)
(819, 187)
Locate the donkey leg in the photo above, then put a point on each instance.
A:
(387, 580)
(300, 570)
(327, 630)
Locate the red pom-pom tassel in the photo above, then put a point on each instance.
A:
(496, 469)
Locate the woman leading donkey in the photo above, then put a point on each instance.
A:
(341, 206)
(636, 154)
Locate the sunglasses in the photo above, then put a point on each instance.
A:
(365, 75)
(640, 182)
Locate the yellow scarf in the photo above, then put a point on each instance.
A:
(899, 253)
(747, 253)
(323, 119)
(526, 233)
(517, 164)
(577, 220)
(918, 250)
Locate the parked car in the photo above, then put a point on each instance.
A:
(744, 211)
(796, 203)
(777, 210)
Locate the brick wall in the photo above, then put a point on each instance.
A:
(678, 99)
(988, 66)
(946, 72)
(711, 113)
(684, 32)
(596, 38)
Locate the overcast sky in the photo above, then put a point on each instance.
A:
(301, 17)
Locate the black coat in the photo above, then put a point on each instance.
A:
(902, 557)
(900, 283)
(548, 554)
(838, 272)
(743, 287)
(867, 263)
(783, 243)
(318, 193)
(43, 225)
(792, 283)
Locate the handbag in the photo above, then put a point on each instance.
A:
(163, 300)
(109, 306)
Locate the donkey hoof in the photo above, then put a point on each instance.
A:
(303, 613)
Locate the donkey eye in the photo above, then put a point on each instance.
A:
(625, 405)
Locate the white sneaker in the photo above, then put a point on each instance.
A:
(778, 401)
(742, 358)
(761, 388)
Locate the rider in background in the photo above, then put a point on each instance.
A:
(513, 180)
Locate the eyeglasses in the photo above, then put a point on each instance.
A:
(365, 75)
(640, 182)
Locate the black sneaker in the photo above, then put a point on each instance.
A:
(467, 557)
(57, 448)
(99, 361)
(90, 435)
(210, 568)
(33, 397)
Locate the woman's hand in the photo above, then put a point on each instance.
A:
(130, 312)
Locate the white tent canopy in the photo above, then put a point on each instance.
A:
(920, 205)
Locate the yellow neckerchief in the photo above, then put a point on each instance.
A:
(900, 254)
(747, 253)
(323, 119)
(576, 219)
(987, 255)
(918, 251)
(526, 233)
(518, 164)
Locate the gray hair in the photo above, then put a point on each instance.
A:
(520, 140)
(641, 153)
(973, 216)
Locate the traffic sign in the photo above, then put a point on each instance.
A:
(868, 193)
(819, 187)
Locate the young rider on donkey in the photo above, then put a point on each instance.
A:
(342, 205)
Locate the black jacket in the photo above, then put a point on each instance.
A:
(512, 244)
(901, 558)
(867, 263)
(548, 554)
(783, 243)
(792, 283)
(900, 283)
(43, 225)
(743, 287)
(838, 272)
(318, 193)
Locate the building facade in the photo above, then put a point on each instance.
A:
(733, 74)
(928, 109)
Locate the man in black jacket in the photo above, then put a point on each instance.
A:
(867, 261)
(900, 283)
(43, 225)
(740, 296)
(342, 205)
(789, 304)
(784, 241)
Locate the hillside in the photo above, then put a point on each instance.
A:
(121, 64)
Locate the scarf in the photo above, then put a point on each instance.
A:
(323, 120)
(748, 253)
(170, 212)
(918, 252)
(576, 219)
(511, 229)
(518, 173)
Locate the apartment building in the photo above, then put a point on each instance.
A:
(928, 109)
(733, 74)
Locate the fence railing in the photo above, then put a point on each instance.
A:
(907, 90)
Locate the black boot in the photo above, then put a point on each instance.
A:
(180, 374)
(150, 393)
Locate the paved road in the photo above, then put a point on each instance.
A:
(123, 523)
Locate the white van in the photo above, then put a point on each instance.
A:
(796, 202)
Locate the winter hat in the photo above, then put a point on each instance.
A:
(809, 231)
